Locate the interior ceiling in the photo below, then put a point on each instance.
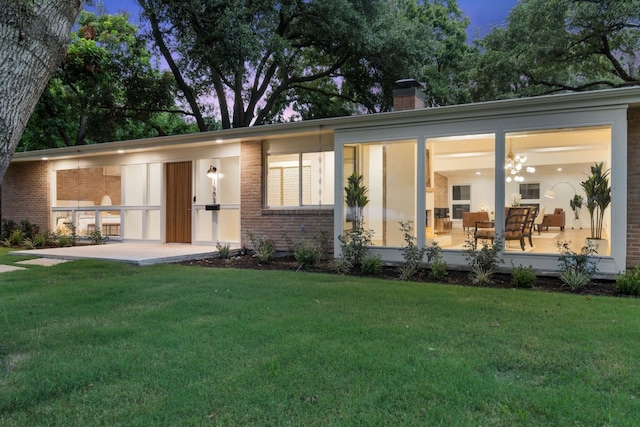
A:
(573, 150)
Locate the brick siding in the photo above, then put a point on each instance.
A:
(633, 187)
(297, 224)
(25, 193)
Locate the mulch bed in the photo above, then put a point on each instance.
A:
(500, 280)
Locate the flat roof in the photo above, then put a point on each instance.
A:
(508, 107)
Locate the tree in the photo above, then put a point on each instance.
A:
(106, 89)
(33, 40)
(258, 58)
(560, 45)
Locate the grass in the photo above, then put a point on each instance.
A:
(97, 343)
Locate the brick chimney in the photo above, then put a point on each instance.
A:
(408, 96)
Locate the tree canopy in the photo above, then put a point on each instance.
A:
(106, 89)
(255, 59)
(33, 39)
(560, 45)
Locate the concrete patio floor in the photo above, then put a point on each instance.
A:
(136, 253)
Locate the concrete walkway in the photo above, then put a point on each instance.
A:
(136, 253)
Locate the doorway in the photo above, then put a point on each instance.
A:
(178, 202)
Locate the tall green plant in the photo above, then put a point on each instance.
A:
(598, 192)
(355, 198)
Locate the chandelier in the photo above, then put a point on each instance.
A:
(514, 166)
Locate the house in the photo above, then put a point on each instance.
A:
(434, 166)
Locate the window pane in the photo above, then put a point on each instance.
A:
(461, 192)
(530, 191)
(459, 209)
(283, 180)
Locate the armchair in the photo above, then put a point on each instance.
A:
(556, 219)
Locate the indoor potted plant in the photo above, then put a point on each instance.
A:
(355, 198)
(576, 204)
(598, 198)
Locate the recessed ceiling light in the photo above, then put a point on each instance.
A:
(559, 169)
(120, 151)
(478, 173)
(45, 158)
(219, 141)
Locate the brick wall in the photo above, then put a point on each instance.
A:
(633, 187)
(411, 101)
(25, 193)
(298, 224)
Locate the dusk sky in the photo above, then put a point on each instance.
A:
(483, 14)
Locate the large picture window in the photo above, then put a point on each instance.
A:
(301, 179)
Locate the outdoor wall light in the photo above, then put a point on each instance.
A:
(212, 173)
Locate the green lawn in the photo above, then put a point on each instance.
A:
(96, 343)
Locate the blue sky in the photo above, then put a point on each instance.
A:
(484, 14)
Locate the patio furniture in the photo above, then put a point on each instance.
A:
(556, 219)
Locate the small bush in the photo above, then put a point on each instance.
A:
(39, 240)
(96, 238)
(28, 229)
(484, 262)
(16, 237)
(224, 250)
(342, 265)
(438, 266)
(65, 240)
(412, 254)
(306, 254)
(629, 282)
(264, 249)
(523, 277)
(479, 276)
(575, 279)
(355, 247)
(577, 269)
(371, 265)
(7, 228)
(439, 270)
(27, 243)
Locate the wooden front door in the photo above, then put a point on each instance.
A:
(178, 202)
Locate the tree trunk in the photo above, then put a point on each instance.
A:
(33, 41)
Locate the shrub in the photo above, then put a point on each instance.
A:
(224, 250)
(96, 238)
(523, 277)
(629, 282)
(264, 249)
(39, 240)
(16, 237)
(577, 269)
(413, 255)
(7, 228)
(371, 265)
(436, 263)
(355, 246)
(28, 229)
(65, 240)
(342, 265)
(575, 279)
(306, 253)
(439, 270)
(27, 243)
(484, 262)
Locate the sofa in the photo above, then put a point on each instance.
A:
(469, 219)
(556, 219)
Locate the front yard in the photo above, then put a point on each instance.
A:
(89, 343)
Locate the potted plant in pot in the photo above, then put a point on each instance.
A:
(598, 198)
(355, 198)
